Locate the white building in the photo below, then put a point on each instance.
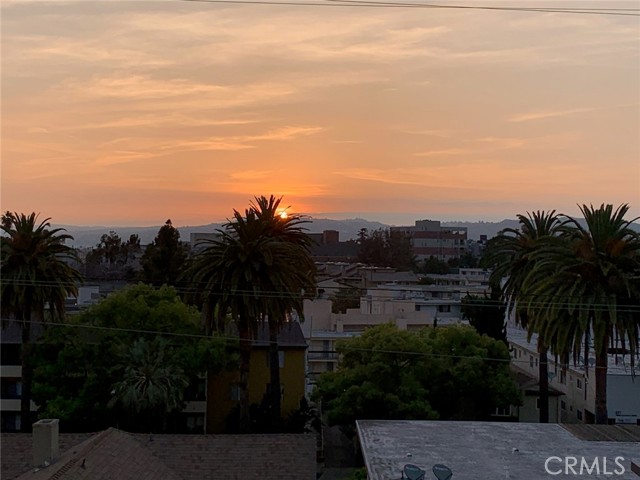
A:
(577, 382)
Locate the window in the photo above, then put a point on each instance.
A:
(11, 388)
(444, 308)
(280, 359)
(579, 413)
(503, 411)
(563, 405)
(10, 354)
(10, 422)
(538, 403)
(531, 360)
(536, 362)
(579, 383)
(195, 423)
(234, 392)
(563, 377)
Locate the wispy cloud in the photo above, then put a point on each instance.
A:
(540, 114)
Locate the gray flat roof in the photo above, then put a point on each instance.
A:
(482, 450)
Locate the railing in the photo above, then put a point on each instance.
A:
(322, 355)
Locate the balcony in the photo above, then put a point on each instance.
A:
(322, 356)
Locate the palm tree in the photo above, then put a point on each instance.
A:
(36, 280)
(279, 225)
(254, 274)
(152, 386)
(591, 284)
(511, 254)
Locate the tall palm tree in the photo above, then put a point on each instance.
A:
(511, 255)
(592, 284)
(253, 274)
(36, 280)
(283, 227)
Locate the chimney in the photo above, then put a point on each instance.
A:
(45, 442)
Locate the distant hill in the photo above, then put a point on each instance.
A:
(90, 236)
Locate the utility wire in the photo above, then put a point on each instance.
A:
(236, 339)
(374, 4)
(476, 301)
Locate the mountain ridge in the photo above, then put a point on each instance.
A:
(89, 236)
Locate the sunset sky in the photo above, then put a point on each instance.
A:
(129, 113)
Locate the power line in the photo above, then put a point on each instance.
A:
(530, 300)
(376, 4)
(236, 339)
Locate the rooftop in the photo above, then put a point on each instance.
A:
(114, 454)
(487, 450)
(618, 364)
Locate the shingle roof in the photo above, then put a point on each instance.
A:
(105, 456)
(15, 450)
(233, 457)
(114, 454)
(290, 335)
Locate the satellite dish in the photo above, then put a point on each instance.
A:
(442, 472)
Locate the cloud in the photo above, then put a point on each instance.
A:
(540, 114)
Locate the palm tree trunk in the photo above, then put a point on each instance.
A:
(27, 376)
(543, 370)
(274, 368)
(245, 360)
(602, 416)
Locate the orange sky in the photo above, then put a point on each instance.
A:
(129, 113)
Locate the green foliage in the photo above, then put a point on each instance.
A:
(446, 373)
(35, 268)
(435, 266)
(163, 260)
(386, 248)
(110, 257)
(259, 269)
(37, 277)
(486, 314)
(344, 298)
(358, 474)
(571, 284)
(466, 260)
(83, 368)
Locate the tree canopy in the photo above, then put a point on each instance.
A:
(442, 373)
(386, 248)
(125, 361)
(37, 278)
(259, 269)
(163, 259)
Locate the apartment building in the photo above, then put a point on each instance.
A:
(576, 382)
(408, 307)
(430, 239)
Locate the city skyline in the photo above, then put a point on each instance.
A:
(126, 114)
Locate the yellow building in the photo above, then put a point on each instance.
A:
(222, 389)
